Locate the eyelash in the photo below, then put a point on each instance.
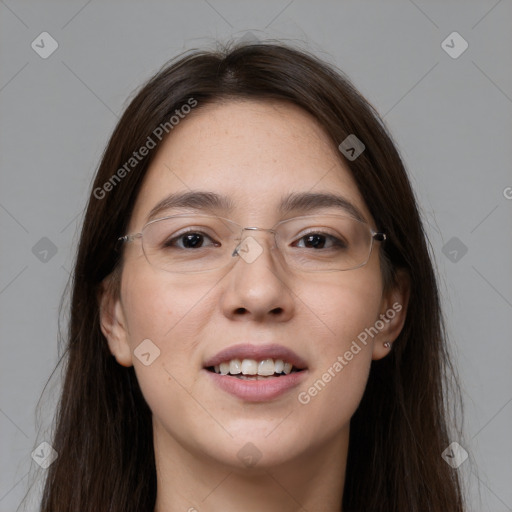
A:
(170, 242)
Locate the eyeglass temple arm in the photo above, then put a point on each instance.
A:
(125, 239)
(129, 238)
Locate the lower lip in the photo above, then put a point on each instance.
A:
(257, 390)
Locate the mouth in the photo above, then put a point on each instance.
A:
(251, 369)
(256, 373)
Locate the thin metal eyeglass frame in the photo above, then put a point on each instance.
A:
(378, 236)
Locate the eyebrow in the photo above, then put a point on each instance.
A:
(303, 202)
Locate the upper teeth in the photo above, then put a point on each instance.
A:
(252, 367)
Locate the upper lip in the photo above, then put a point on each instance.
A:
(258, 353)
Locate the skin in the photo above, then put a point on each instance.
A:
(254, 152)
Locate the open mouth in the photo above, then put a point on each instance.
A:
(256, 373)
(251, 369)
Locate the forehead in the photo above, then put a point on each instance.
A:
(254, 152)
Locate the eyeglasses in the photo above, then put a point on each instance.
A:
(199, 243)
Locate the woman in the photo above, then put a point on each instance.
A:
(255, 321)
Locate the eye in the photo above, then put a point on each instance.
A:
(190, 240)
(318, 240)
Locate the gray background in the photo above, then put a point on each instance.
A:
(451, 118)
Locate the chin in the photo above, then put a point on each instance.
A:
(255, 446)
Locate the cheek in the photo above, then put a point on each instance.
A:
(165, 318)
(162, 309)
(170, 315)
(342, 308)
(342, 361)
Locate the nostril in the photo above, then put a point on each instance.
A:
(276, 311)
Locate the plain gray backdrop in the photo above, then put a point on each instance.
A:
(451, 116)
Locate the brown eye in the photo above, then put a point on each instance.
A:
(190, 240)
(321, 241)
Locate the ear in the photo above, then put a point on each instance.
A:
(112, 321)
(392, 315)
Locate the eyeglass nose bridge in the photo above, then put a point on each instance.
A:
(251, 228)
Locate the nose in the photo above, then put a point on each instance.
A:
(259, 287)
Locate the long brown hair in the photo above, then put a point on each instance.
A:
(103, 428)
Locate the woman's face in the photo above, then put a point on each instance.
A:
(169, 326)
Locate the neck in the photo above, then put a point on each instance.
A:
(192, 482)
